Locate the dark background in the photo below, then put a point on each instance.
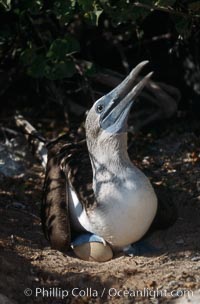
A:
(52, 52)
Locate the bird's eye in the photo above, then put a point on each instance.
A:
(99, 108)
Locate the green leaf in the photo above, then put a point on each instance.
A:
(93, 17)
(28, 56)
(98, 13)
(62, 47)
(64, 8)
(73, 3)
(30, 5)
(37, 68)
(6, 4)
(86, 5)
(89, 68)
(91, 9)
(60, 70)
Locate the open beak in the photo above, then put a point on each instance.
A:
(119, 101)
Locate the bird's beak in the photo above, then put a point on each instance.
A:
(119, 101)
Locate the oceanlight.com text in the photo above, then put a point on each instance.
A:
(56, 292)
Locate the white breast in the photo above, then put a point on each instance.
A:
(123, 215)
(127, 214)
(78, 216)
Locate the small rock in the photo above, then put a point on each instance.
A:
(154, 301)
(169, 275)
(173, 283)
(190, 285)
(195, 259)
(146, 161)
(152, 284)
(18, 205)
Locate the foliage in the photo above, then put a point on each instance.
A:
(40, 38)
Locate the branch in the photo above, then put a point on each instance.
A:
(163, 9)
(34, 137)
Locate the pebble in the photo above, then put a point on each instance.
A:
(195, 259)
(18, 205)
(145, 160)
(168, 275)
(173, 283)
(154, 301)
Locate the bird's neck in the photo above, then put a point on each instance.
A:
(109, 157)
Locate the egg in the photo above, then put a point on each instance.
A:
(93, 251)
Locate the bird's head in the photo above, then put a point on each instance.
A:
(107, 119)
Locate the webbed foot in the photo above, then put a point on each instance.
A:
(141, 248)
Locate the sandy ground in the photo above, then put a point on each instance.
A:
(30, 272)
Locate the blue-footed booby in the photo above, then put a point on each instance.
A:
(92, 186)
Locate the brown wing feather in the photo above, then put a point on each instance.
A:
(54, 211)
(76, 165)
(68, 163)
